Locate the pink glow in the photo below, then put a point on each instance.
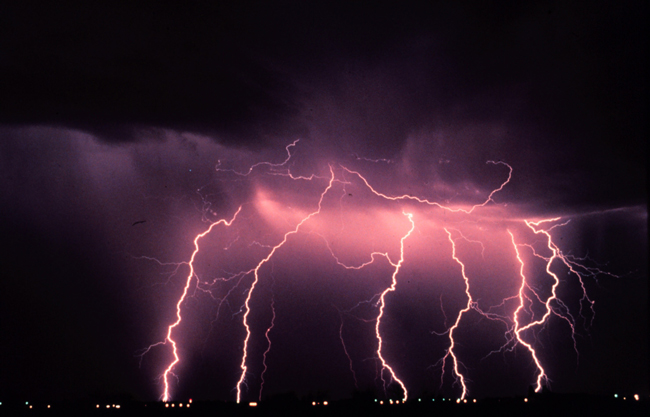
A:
(382, 305)
(363, 233)
(256, 273)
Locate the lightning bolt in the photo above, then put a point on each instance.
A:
(169, 339)
(518, 329)
(561, 310)
(468, 306)
(434, 203)
(257, 278)
(553, 297)
(382, 305)
(345, 350)
(518, 323)
(268, 348)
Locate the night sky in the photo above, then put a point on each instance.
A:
(126, 130)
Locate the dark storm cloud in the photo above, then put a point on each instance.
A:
(565, 82)
(110, 69)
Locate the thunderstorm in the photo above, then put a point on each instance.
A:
(485, 266)
(269, 207)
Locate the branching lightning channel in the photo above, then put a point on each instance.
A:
(553, 297)
(518, 328)
(257, 277)
(382, 305)
(169, 370)
(561, 310)
(514, 311)
(433, 203)
(452, 343)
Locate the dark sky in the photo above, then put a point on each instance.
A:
(116, 114)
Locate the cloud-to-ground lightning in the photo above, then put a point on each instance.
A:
(359, 226)
(256, 280)
(450, 351)
(518, 328)
(268, 340)
(190, 277)
(382, 306)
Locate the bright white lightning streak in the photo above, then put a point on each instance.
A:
(256, 280)
(556, 282)
(452, 342)
(433, 203)
(517, 330)
(382, 304)
(392, 288)
(188, 281)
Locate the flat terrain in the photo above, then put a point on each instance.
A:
(555, 405)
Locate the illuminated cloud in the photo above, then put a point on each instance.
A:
(126, 131)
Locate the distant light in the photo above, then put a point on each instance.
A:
(457, 400)
(48, 406)
(190, 401)
(465, 401)
(117, 406)
(166, 405)
(397, 402)
(391, 401)
(180, 405)
(324, 402)
(636, 397)
(30, 406)
(615, 395)
(474, 400)
(108, 406)
(173, 405)
(313, 403)
(375, 400)
(97, 406)
(419, 399)
(26, 402)
(188, 406)
(381, 402)
(525, 400)
(252, 404)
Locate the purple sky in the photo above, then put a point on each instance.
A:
(114, 115)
